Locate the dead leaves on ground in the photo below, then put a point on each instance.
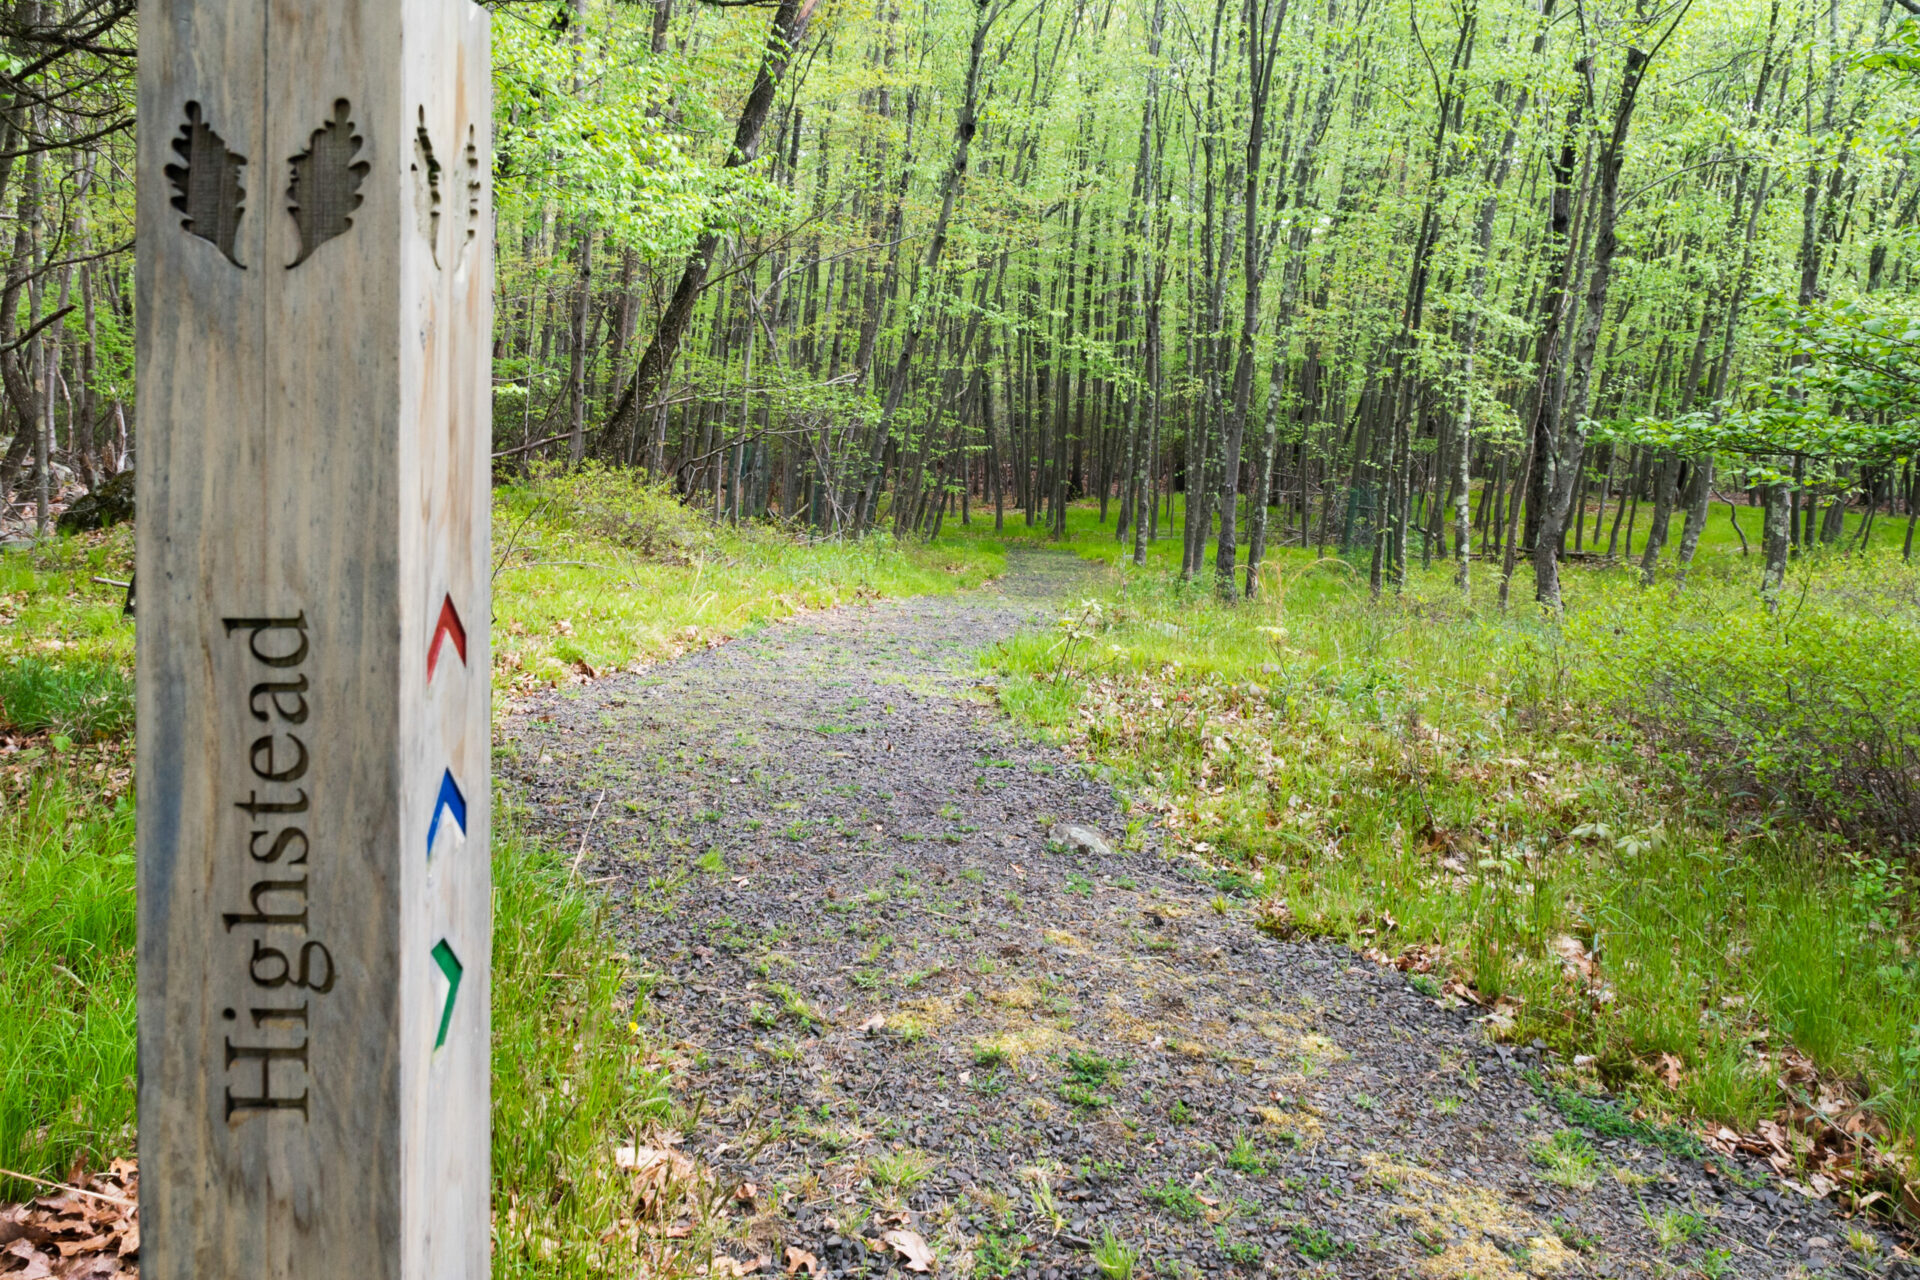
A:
(89, 1230)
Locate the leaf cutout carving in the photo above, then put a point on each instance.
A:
(473, 192)
(426, 177)
(206, 184)
(326, 183)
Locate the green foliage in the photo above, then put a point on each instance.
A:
(1814, 712)
(1177, 1198)
(66, 981)
(1615, 1119)
(1114, 1257)
(83, 700)
(571, 1070)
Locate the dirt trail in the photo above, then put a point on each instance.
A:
(907, 1008)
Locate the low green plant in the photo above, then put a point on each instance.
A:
(1673, 1227)
(997, 1256)
(987, 1054)
(1568, 1160)
(1177, 1198)
(1317, 1244)
(1245, 1157)
(898, 1170)
(1114, 1257)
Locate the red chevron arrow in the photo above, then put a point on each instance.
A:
(448, 628)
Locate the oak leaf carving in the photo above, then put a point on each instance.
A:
(206, 184)
(325, 190)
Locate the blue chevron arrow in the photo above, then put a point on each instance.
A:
(450, 965)
(450, 801)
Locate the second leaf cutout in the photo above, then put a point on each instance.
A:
(325, 190)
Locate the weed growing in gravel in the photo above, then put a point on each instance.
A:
(795, 1005)
(1242, 1252)
(1714, 1264)
(1615, 1119)
(1245, 1157)
(987, 1054)
(1569, 1160)
(898, 1171)
(1317, 1244)
(1574, 1238)
(1077, 883)
(1115, 1258)
(1087, 1073)
(1177, 1198)
(996, 1257)
(1673, 1227)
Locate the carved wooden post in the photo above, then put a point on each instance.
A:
(315, 275)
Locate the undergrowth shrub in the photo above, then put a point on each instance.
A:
(1814, 711)
(639, 515)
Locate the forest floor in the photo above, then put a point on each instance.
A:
(907, 1011)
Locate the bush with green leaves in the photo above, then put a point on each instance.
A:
(1813, 710)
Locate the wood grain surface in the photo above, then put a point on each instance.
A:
(313, 493)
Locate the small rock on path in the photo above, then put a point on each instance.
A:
(913, 997)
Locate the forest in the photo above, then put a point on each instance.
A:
(1386, 525)
(1467, 280)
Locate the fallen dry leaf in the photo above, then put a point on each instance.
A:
(800, 1260)
(913, 1250)
(1670, 1070)
(1574, 955)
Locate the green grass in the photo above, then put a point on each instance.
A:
(1497, 783)
(1177, 1198)
(66, 981)
(83, 700)
(598, 572)
(1114, 1257)
(1567, 1159)
(572, 1069)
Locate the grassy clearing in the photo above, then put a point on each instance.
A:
(1679, 893)
(598, 572)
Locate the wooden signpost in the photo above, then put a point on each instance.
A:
(315, 292)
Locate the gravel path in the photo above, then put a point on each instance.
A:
(904, 1007)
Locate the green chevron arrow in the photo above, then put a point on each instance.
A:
(450, 965)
